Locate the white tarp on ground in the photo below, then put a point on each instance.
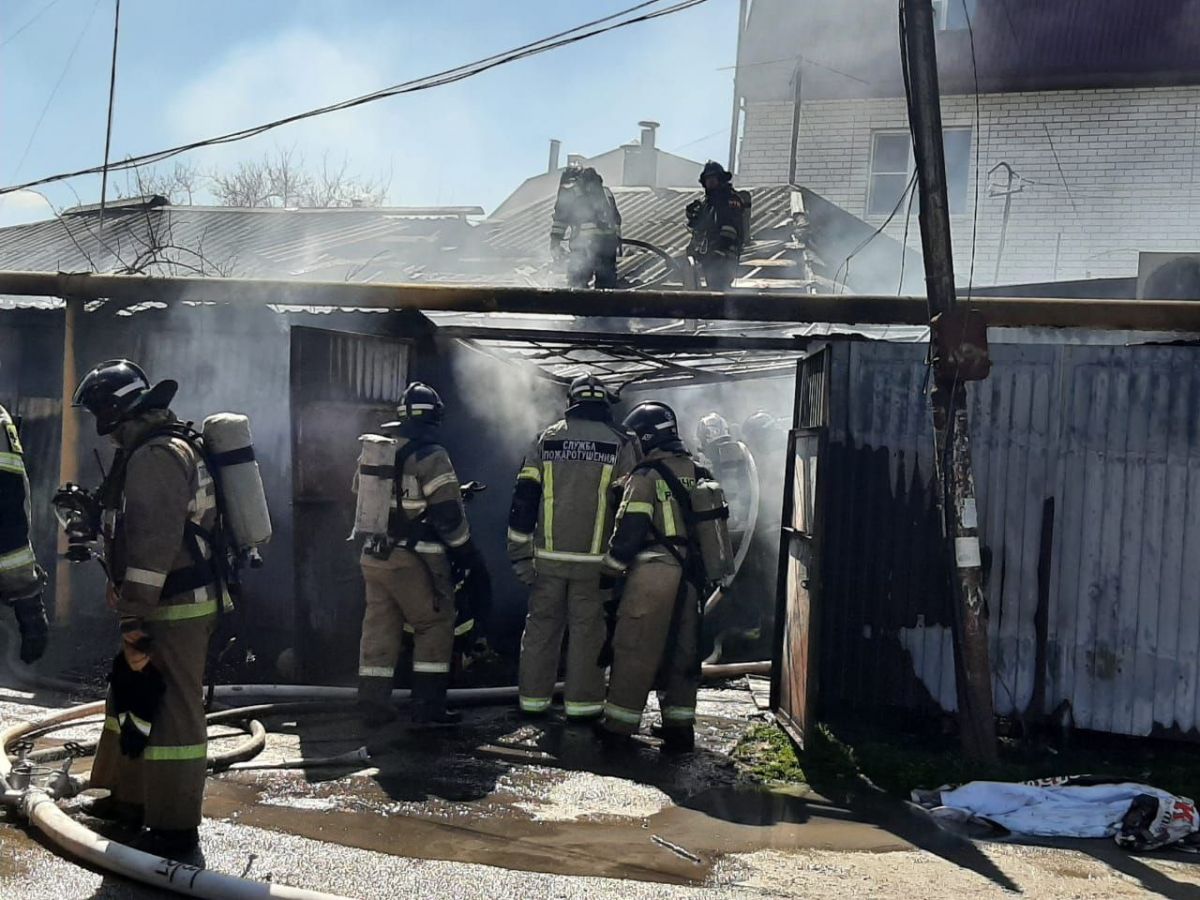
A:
(1137, 816)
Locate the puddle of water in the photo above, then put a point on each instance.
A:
(753, 805)
(510, 839)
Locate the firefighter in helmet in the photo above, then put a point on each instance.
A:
(718, 227)
(410, 571)
(558, 529)
(586, 216)
(656, 640)
(727, 458)
(159, 513)
(21, 578)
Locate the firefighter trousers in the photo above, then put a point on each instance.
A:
(591, 260)
(410, 589)
(167, 780)
(574, 603)
(646, 655)
(719, 271)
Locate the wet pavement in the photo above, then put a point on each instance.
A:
(504, 807)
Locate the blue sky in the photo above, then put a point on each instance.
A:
(187, 70)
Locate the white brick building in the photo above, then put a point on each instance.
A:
(1101, 140)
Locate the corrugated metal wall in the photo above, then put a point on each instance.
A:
(1087, 467)
(342, 385)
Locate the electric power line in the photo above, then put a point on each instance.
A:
(1061, 173)
(877, 232)
(37, 15)
(54, 91)
(112, 91)
(449, 76)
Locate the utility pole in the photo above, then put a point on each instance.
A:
(743, 8)
(958, 350)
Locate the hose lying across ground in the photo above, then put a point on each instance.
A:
(81, 842)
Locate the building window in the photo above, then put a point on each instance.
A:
(952, 15)
(892, 165)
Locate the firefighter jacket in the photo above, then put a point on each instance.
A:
(160, 514)
(717, 223)
(427, 508)
(18, 568)
(564, 500)
(588, 211)
(651, 523)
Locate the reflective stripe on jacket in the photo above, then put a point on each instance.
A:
(160, 555)
(18, 566)
(565, 498)
(426, 502)
(648, 508)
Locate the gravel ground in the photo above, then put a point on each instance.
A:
(553, 831)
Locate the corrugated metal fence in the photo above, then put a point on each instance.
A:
(1087, 464)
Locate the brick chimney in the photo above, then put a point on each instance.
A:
(552, 165)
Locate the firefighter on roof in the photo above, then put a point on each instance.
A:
(21, 579)
(719, 226)
(411, 509)
(585, 215)
(670, 544)
(160, 510)
(558, 529)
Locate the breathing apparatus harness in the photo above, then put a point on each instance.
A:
(472, 589)
(692, 565)
(82, 513)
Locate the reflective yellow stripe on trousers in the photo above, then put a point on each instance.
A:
(181, 753)
(548, 505)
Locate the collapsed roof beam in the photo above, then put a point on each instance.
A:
(847, 309)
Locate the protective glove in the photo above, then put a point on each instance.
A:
(31, 622)
(135, 644)
(136, 697)
(477, 592)
(525, 571)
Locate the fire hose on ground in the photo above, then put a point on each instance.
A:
(41, 809)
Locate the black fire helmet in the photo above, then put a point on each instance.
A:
(589, 389)
(654, 423)
(117, 390)
(712, 167)
(419, 403)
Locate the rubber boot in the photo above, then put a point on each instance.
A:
(613, 742)
(429, 699)
(375, 702)
(678, 739)
(111, 810)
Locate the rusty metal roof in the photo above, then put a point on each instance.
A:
(354, 244)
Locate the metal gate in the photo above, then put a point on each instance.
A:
(343, 385)
(794, 675)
